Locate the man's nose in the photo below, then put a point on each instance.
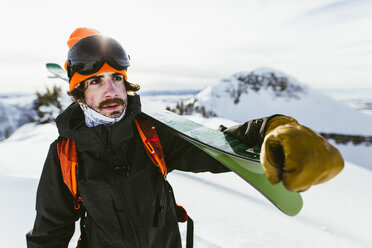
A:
(110, 88)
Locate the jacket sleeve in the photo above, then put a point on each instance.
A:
(55, 217)
(182, 155)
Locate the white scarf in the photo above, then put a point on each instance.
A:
(93, 118)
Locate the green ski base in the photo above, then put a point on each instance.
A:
(229, 151)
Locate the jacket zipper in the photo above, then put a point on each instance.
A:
(120, 173)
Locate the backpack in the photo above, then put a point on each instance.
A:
(67, 154)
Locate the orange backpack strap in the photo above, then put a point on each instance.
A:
(66, 150)
(154, 149)
(152, 143)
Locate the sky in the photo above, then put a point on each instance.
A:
(190, 44)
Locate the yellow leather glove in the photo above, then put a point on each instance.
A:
(297, 156)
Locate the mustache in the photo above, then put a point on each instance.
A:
(112, 100)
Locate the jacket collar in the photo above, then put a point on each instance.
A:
(71, 124)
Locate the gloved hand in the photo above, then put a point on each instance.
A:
(251, 132)
(293, 153)
(297, 156)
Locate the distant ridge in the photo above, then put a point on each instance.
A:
(169, 92)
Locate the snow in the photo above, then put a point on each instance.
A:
(22, 154)
(227, 212)
(360, 99)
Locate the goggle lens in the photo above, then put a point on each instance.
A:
(89, 54)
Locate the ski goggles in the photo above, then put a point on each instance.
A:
(88, 55)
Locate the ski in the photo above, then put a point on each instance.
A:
(57, 71)
(234, 154)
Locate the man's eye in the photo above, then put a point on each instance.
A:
(118, 78)
(95, 81)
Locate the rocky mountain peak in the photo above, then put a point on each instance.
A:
(278, 83)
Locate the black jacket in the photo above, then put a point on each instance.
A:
(128, 202)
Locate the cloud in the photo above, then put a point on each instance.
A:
(335, 13)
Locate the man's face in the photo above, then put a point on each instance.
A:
(106, 94)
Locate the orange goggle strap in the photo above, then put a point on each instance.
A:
(78, 78)
(152, 144)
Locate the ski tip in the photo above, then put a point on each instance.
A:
(57, 71)
(293, 207)
(53, 65)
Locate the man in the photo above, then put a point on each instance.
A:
(126, 201)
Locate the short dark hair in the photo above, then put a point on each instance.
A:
(77, 94)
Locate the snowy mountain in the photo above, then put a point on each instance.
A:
(15, 110)
(264, 92)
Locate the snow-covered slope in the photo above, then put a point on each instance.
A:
(227, 212)
(360, 99)
(22, 154)
(263, 92)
